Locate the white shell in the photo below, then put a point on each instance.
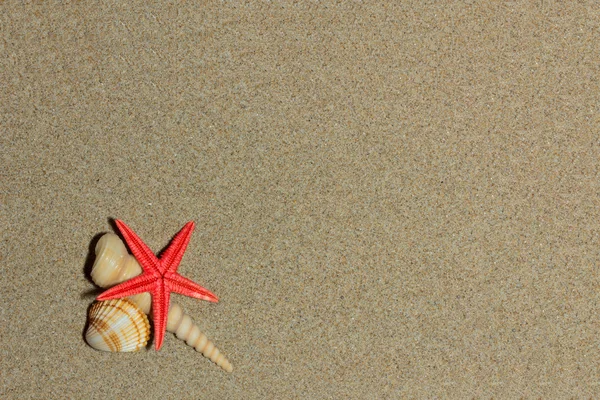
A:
(117, 325)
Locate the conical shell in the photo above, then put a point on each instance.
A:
(114, 265)
(185, 329)
(117, 325)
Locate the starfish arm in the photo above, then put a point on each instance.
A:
(171, 257)
(160, 312)
(139, 284)
(141, 252)
(181, 285)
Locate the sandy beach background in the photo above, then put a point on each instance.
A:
(392, 200)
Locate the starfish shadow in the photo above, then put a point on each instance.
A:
(161, 252)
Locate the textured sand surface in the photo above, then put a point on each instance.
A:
(391, 201)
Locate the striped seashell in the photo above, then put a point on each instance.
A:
(117, 325)
(114, 265)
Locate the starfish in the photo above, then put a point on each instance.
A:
(159, 278)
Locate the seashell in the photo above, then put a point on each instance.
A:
(185, 329)
(114, 265)
(117, 325)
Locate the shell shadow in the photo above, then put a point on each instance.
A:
(87, 324)
(87, 268)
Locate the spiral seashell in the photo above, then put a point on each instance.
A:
(117, 325)
(185, 329)
(114, 265)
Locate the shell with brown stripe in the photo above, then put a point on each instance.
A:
(117, 325)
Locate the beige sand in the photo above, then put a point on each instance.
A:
(391, 201)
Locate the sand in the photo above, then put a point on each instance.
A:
(392, 201)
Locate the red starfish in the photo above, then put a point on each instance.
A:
(160, 277)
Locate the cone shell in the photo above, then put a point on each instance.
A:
(114, 265)
(185, 329)
(117, 325)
